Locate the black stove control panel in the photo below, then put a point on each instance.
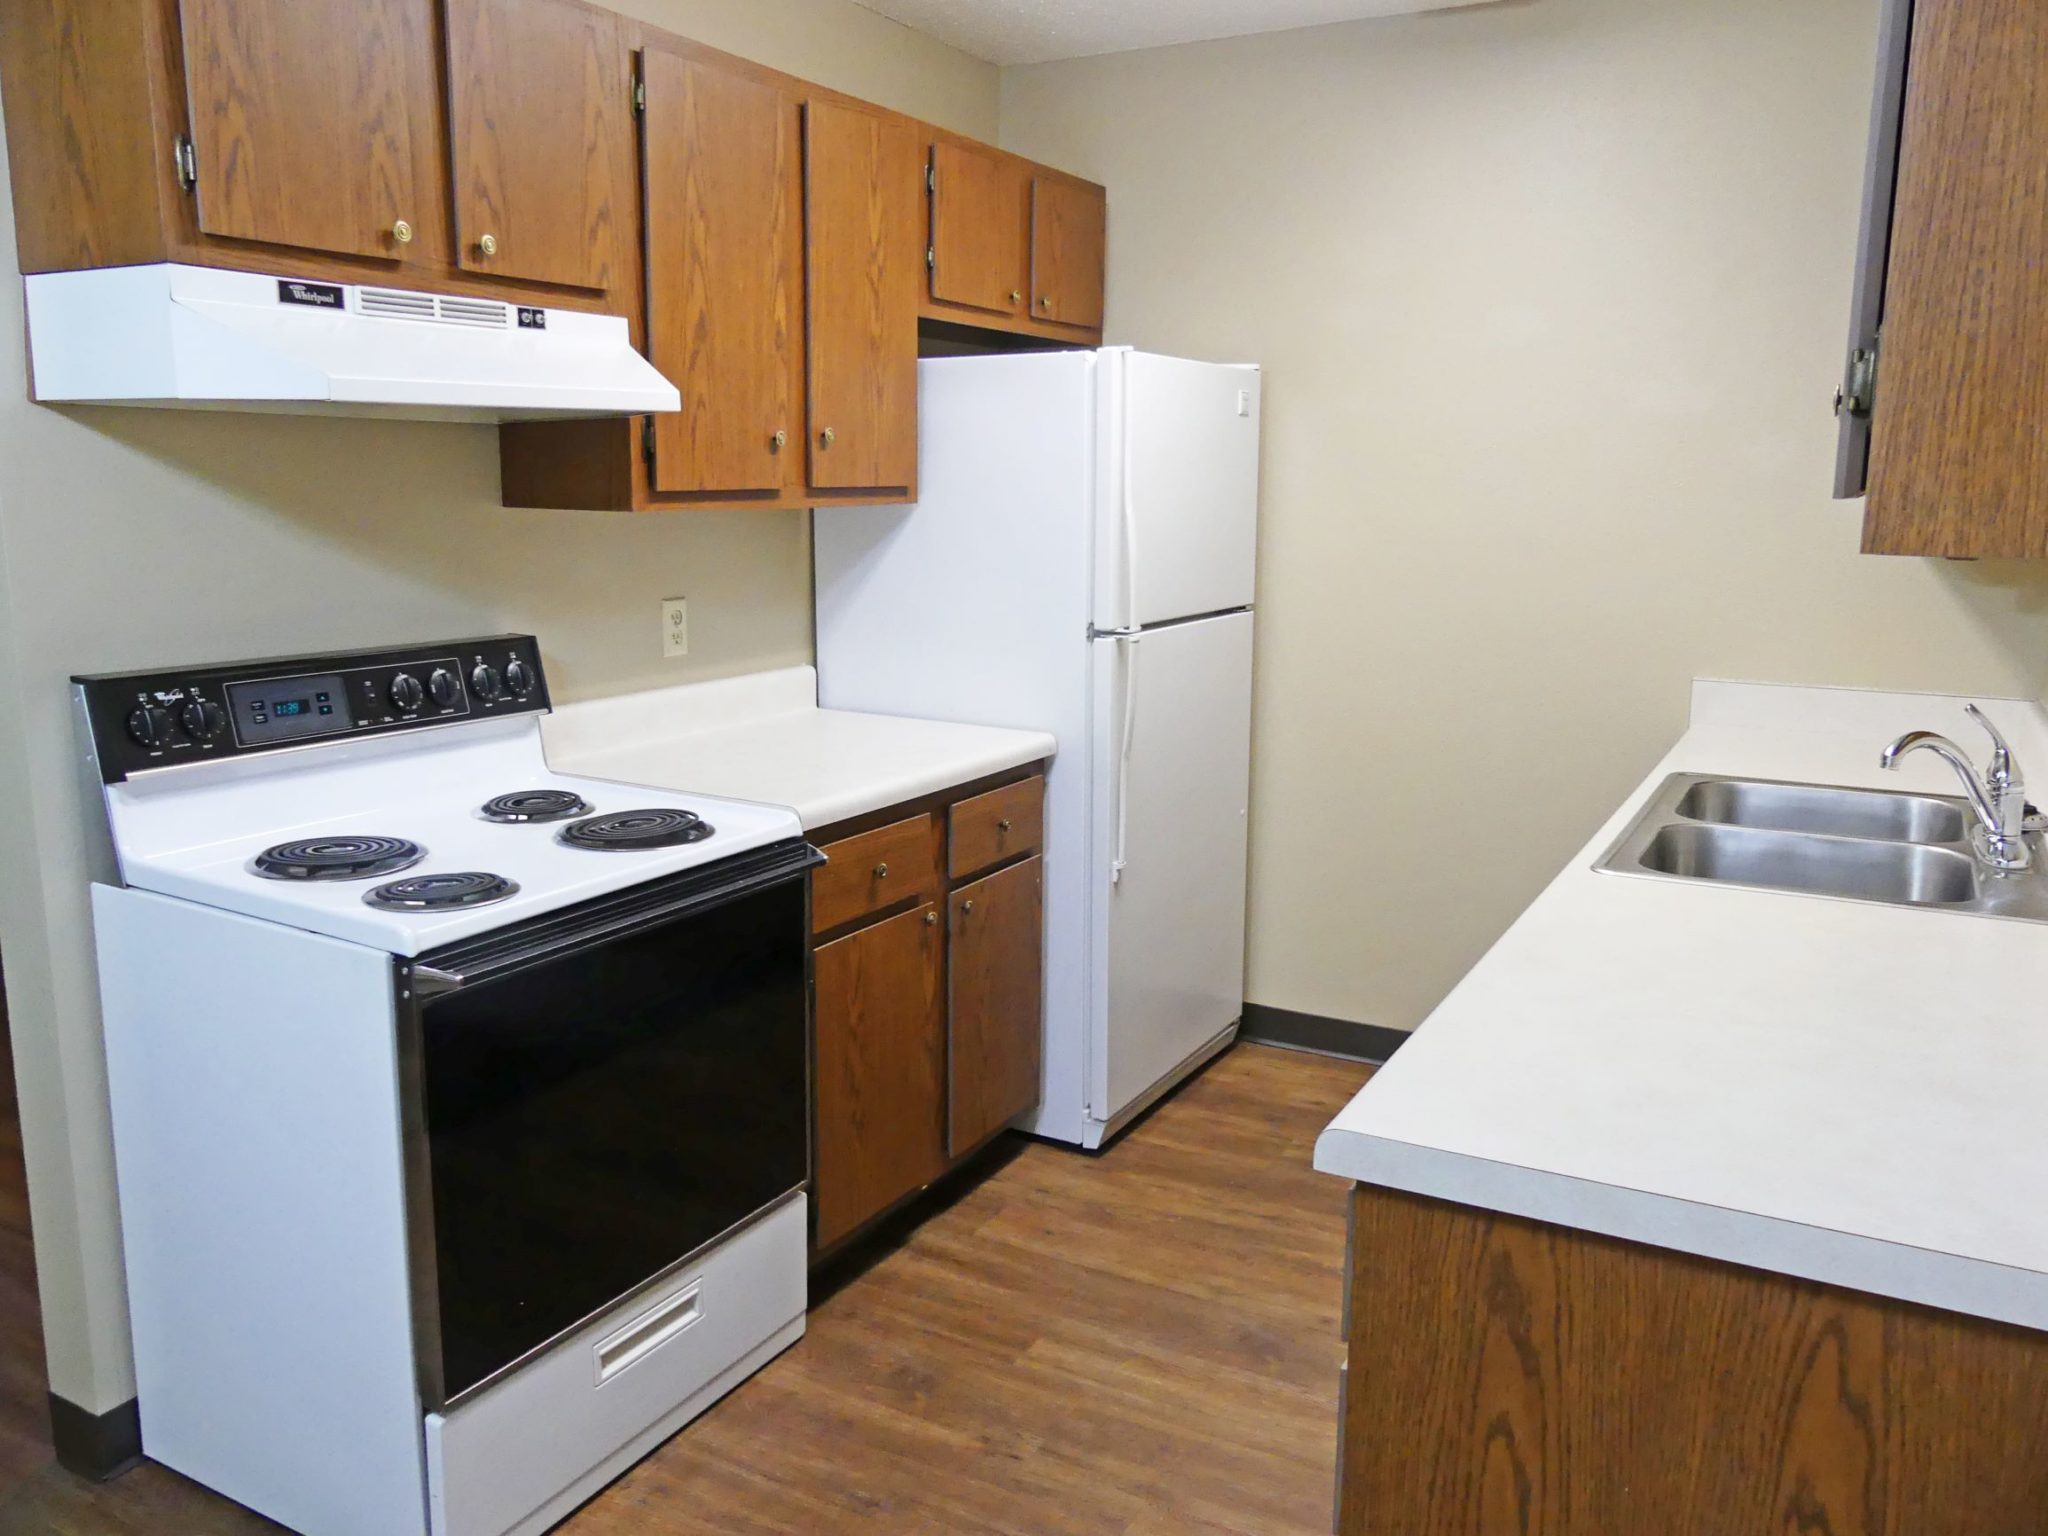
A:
(140, 721)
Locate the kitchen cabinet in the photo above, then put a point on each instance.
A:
(536, 102)
(994, 1009)
(723, 190)
(860, 215)
(929, 978)
(1069, 239)
(1946, 393)
(309, 122)
(880, 1066)
(980, 229)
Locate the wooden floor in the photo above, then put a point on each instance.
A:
(1138, 1344)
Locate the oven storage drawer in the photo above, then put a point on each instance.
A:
(518, 1456)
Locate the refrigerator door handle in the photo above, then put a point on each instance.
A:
(1130, 510)
(1127, 644)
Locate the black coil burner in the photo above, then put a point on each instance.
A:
(536, 805)
(626, 831)
(338, 858)
(441, 893)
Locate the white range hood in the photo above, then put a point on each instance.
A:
(200, 337)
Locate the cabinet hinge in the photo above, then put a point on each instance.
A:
(640, 97)
(186, 158)
(1857, 395)
(931, 258)
(647, 439)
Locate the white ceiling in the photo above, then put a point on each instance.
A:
(1038, 31)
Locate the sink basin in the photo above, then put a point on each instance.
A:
(1864, 813)
(1866, 870)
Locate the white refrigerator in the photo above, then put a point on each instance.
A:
(1081, 561)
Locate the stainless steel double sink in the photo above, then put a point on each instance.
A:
(1823, 840)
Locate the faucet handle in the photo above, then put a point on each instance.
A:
(2004, 769)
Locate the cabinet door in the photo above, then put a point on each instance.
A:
(981, 216)
(536, 100)
(995, 1015)
(880, 1069)
(862, 175)
(1069, 231)
(1959, 449)
(309, 118)
(723, 250)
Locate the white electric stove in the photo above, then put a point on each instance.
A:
(461, 1108)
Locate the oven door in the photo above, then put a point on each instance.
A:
(595, 1096)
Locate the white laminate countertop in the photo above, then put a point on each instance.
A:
(763, 737)
(1845, 1092)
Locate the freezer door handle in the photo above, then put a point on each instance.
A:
(1127, 646)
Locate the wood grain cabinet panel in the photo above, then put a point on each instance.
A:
(1069, 242)
(1511, 1378)
(537, 102)
(981, 219)
(309, 118)
(995, 1029)
(724, 258)
(863, 173)
(880, 1069)
(983, 831)
(874, 871)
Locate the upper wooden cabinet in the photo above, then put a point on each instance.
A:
(309, 121)
(724, 252)
(1069, 238)
(1947, 387)
(862, 171)
(980, 229)
(537, 102)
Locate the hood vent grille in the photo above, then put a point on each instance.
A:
(401, 304)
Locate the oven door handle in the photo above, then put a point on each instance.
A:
(495, 956)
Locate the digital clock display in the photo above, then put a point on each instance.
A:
(283, 709)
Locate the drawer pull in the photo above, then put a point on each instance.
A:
(931, 919)
(647, 1333)
(881, 871)
(1003, 825)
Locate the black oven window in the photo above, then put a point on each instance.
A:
(594, 1119)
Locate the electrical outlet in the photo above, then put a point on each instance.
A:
(675, 627)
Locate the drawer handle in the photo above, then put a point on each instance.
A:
(647, 1332)
(1003, 825)
(881, 871)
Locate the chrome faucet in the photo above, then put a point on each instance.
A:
(1999, 797)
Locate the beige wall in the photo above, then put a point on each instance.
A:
(129, 537)
(1552, 297)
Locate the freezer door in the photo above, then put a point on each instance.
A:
(1172, 781)
(1178, 492)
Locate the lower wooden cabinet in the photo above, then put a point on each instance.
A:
(880, 1067)
(995, 1003)
(929, 1000)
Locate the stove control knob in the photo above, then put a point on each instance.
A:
(443, 686)
(484, 682)
(202, 721)
(148, 725)
(519, 677)
(406, 692)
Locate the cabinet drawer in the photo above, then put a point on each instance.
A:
(996, 826)
(875, 870)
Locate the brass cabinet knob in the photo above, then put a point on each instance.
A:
(402, 232)
(828, 437)
(1003, 825)
(1045, 302)
(1016, 295)
(931, 919)
(488, 245)
(776, 441)
(881, 871)
(966, 907)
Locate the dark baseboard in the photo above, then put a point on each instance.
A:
(96, 1445)
(1312, 1032)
